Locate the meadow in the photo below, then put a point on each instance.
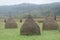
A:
(14, 34)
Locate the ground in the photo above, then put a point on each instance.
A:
(14, 34)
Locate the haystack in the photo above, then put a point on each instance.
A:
(30, 27)
(50, 23)
(10, 23)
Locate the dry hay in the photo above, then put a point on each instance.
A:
(10, 23)
(30, 27)
(50, 23)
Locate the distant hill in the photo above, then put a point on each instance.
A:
(21, 10)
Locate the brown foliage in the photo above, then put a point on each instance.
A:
(30, 27)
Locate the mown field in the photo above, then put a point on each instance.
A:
(14, 34)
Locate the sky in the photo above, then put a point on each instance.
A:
(14, 2)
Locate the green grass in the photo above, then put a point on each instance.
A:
(14, 34)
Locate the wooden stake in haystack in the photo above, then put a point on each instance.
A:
(50, 23)
(30, 27)
(5, 20)
(10, 23)
(55, 17)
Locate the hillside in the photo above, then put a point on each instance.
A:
(21, 10)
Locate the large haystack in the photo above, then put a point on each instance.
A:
(30, 27)
(10, 23)
(50, 23)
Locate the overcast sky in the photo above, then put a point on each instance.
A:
(13, 2)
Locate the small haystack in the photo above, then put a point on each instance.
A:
(50, 23)
(10, 23)
(30, 27)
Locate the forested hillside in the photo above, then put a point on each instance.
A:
(21, 10)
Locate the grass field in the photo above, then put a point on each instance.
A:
(14, 34)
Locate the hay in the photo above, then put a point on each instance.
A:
(30, 27)
(50, 23)
(10, 23)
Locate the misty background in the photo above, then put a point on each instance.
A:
(21, 8)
